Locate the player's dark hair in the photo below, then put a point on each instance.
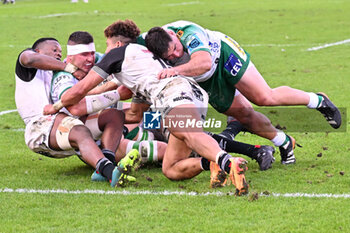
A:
(125, 31)
(80, 37)
(41, 40)
(157, 41)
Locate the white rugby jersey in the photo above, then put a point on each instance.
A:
(136, 68)
(32, 91)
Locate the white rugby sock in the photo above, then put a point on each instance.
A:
(147, 149)
(145, 135)
(314, 100)
(279, 139)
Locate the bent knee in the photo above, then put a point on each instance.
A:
(168, 173)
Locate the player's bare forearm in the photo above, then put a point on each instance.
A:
(78, 109)
(108, 86)
(199, 63)
(39, 61)
(79, 91)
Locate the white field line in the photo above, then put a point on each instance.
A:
(273, 45)
(181, 3)
(57, 15)
(7, 111)
(328, 45)
(165, 193)
(84, 13)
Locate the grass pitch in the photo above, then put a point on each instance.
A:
(278, 35)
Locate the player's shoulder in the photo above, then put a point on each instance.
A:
(182, 24)
(57, 74)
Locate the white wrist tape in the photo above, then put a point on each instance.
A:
(58, 105)
(95, 103)
(70, 68)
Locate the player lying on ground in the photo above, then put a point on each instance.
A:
(58, 135)
(135, 67)
(121, 33)
(103, 122)
(222, 68)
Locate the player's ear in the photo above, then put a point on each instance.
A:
(170, 32)
(119, 44)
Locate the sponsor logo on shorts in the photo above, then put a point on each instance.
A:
(197, 93)
(151, 120)
(182, 98)
(233, 65)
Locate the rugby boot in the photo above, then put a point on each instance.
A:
(217, 176)
(97, 177)
(237, 177)
(329, 111)
(264, 156)
(123, 168)
(287, 152)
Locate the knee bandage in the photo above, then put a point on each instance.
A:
(63, 130)
(92, 124)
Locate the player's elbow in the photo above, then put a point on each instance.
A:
(206, 65)
(27, 59)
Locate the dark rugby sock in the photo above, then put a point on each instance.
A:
(234, 146)
(205, 164)
(224, 162)
(233, 128)
(105, 168)
(109, 155)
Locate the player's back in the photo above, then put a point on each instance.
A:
(139, 71)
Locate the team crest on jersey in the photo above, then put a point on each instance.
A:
(194, 43)
(233, 65)
(179, 33)
(151, 120)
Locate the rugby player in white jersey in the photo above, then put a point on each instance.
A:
(122, 32)
(57, 135)
(221, 66)
(104, 123)
(137, 68)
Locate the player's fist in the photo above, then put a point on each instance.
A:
(49, 110)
